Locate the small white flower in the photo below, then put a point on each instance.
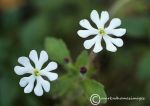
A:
(36, 73)
(102, 32)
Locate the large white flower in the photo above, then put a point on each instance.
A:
(102, 32)
(36, 72)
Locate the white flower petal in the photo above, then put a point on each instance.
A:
(95, 18)
(116, 22)
(117, 41)
(51, 76)
(38, 88)
(98, 46)
(43, 58)
(89, 43)
(117, 32)
(85, 24)
(104, 18)
(34, 56)
(109, 44)
(22, 70)
(30, 85)
(45, 84)
(51, 66)
(25, 80)
(86, 33)
(24, 61)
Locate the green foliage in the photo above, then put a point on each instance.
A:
(70, 84)
(82, 60)
(57, 50)
(63, 85)
(24, 27)
(144, 67)
(93, 87)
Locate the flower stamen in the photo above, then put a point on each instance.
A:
(102, 32)
(36, 72)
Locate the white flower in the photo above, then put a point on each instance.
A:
(36, 73)
(102, 32)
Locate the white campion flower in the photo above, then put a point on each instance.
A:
(37, 72)
(102, 32)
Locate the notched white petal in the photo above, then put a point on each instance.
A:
(34, 56)
(98, 46)
(38, 88)
(24, 81)
(22, 70)
(24, 61)
(86, 33)
(95, 18)
(104, 18)
(85, 24)
(45, 84)
(89, 43)
(30, 85)
(116, 22)
(43, 58)
(118, 32)
(109, 44)
(117, 41)
(51, 76)
(50, 67)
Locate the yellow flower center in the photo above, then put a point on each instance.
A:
(102, 32)
(36, 72)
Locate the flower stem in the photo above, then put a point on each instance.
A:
(92, 57)
(117, 5)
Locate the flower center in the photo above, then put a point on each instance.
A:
(102, 32)
(36, 72)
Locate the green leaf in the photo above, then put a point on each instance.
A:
(82, 60)
(144, 67)
(57, 49)
(93, 87)
(62, 85)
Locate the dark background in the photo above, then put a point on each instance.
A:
(24, 25)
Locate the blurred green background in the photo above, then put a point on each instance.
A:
(25, 24)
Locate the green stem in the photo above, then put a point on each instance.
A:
(117, 5)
